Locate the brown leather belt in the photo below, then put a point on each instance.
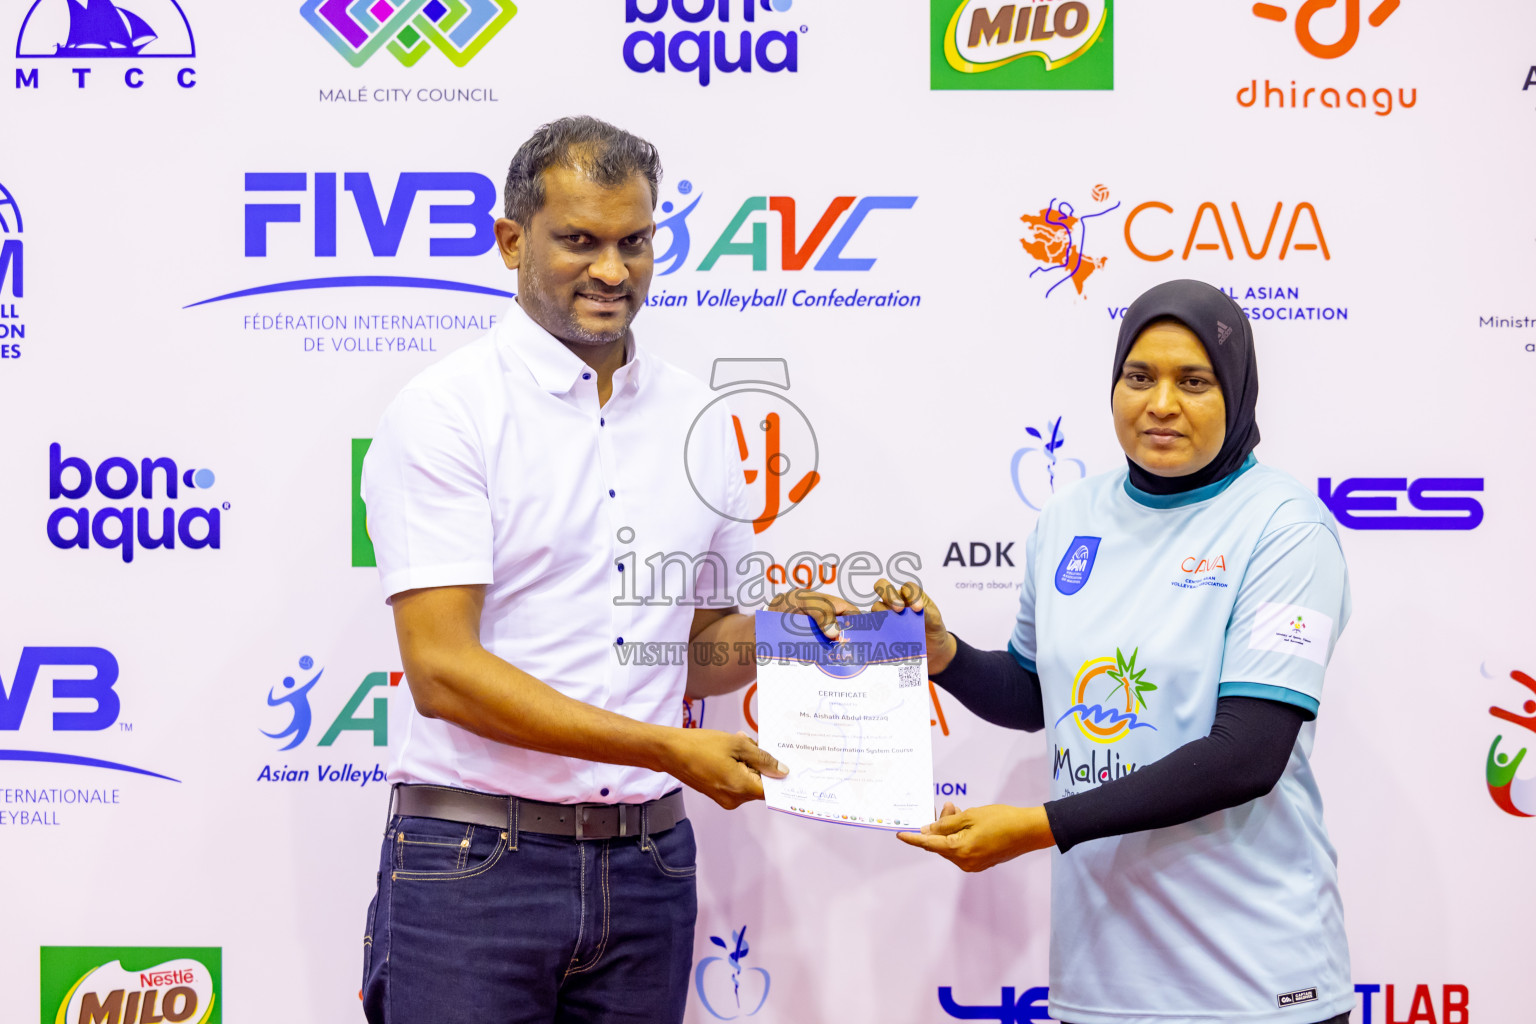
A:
(579, 821)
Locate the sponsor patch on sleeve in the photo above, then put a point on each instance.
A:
(1292, 629)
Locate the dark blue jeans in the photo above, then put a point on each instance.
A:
(473, 924)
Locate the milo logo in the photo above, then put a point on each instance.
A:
(130, 985)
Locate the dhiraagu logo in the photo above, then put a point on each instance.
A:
(1111, 718)
(1044, 44)
(179, 985)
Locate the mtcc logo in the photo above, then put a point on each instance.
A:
(295, 697)
(778, 448)
(1513, 795)
(358, 29)
(1349, 32)
(88, 30)
(739, 992)
(1113, 723)
(1033, 465)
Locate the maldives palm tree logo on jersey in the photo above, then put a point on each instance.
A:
(1114, 716)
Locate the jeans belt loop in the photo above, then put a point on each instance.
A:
(581, 820)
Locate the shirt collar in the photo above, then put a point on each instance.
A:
(555, 368)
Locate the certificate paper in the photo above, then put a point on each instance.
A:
(850, 720)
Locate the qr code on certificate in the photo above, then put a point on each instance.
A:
(908, 675)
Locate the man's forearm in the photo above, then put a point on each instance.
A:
(731, 636)
(489, 697)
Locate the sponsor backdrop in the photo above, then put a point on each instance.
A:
(904, 236)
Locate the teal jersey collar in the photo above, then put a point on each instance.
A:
(1199, 494)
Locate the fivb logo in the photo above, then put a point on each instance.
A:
(68, 690)
(91, 30)
(699, 51)
(795, 253)
(128, 527)
(359, 29)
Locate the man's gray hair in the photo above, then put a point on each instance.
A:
(609, 156)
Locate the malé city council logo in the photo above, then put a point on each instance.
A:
(1047, 44)
(358, 29)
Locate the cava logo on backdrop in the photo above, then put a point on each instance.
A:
(115, 510)
(293, 719)
(715, 46)
(1353, 502)
(738, 992)
(76, 701)
(408, 29)
(743, 245)
(1510, 793)
(1070, 239)
(1327, 30)
(1036, 44)
(131, 984)
(12, 278)
(88, 34)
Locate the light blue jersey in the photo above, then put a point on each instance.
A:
(1138, 611)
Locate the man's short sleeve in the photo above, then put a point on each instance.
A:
(424, 485)
(1022, 644)
(1292, 605)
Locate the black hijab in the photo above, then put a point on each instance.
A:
(1222, 327)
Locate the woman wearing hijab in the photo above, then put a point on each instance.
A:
(1174, 624)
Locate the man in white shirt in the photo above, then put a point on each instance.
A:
(538, 865)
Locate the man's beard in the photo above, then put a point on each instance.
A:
(563, 323)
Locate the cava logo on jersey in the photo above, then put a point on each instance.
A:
(1036, 44)
(408, 29)
(1034, 465)
(1197, 572)
(738, 992)
(1077, 564)
(1510, 793)
(821, 249)
(130, 528)
(79, 685)
(12, 278)
(1453, 509)
(1071, 239)
(1113, 723)
(1339, 28)
(1030, 1005)
(293, 696)
(701, 52)
(87, 32)
(131, 984)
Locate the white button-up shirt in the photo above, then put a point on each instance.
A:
(498, 466)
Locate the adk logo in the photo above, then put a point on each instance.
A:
(738, 992)
(1113, 723)
(737, 44)
(86, 31)
(12, 278)
(131, 984)
(129, 528)
(778, 448)
(408, 29)
(1349, 31)
(1045, 44)
(1036, 464)
(1510, 793)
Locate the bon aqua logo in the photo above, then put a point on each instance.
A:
(1511, 794)
(129, 528)
(1037, 44)
(735, 45)
(408, 29)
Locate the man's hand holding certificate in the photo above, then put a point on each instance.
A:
(850, 718)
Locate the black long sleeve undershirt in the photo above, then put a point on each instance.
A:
(1241, 759)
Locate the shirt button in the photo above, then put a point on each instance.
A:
(586, 376)
(621, 641)
(602, 422)
(621, 567)
(611, 493)
(604, 791)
